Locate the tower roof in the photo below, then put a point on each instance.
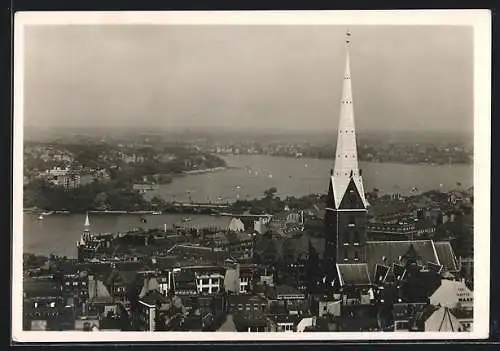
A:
(87, 222)
(346, 157)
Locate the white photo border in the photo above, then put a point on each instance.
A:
(480, 20)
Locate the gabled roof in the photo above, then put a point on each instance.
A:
(446, 255)
(152, 298)
(389, 252)
(353, 274)
(184, 276)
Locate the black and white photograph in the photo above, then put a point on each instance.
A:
(281, 175)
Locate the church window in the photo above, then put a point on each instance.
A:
(345, 255)
(356, 237)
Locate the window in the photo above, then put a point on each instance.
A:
(346, 256)
(356, 238)
(52, 304)
(356, 255)
(36, 304)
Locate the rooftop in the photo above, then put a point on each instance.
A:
(353, 274)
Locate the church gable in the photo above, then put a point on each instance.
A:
(352, 198)
(330, 200)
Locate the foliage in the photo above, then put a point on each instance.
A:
(93, 196)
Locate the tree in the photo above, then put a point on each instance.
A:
(269, 193)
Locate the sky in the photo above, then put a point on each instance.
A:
(165, 77)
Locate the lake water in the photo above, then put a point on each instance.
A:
(249, 178)
(255, 174)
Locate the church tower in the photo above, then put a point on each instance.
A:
(84, 239)
(346, 208)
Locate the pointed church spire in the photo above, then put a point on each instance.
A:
(87, 222)
(346, 157)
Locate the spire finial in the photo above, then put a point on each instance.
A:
(348, 37)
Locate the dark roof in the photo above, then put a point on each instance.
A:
(166, 262)
(130, 266)
(249, 319)
(209, 269)
(40, 288)
(245, 299)
(153, 297)
(286, 290)
(96, 268)
(353, 274)
(281, 318)
(381, 272)
(185, 275)
(389, 252)
(446, 255)
(128, 277)
(67, 267)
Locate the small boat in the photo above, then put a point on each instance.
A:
(40, 217)
(186, 219)
(48, 213)
(156, 213)
(143, 220)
